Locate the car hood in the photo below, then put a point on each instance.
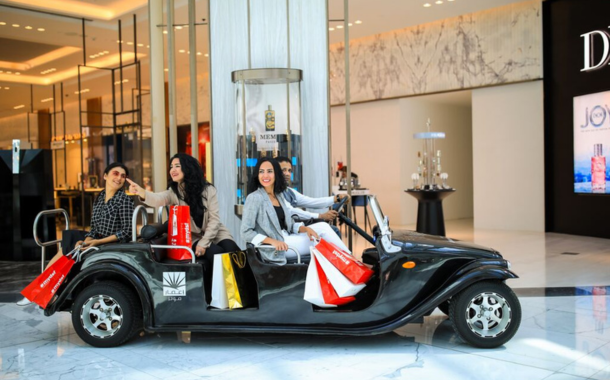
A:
(412, 241)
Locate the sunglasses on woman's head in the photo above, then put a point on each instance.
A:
(116, 173)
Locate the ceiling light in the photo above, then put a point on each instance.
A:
(339, 26)
(130, 43)
(82, 91)
(93, 56)
(15, 25)
(165, 69)
(40, 29)
(206, 54)
(178, 28)
(7, 88)
(28, 27)
(105, 52)
(148, 46)
(427, 5)
(181, 51)
(165, 32)
(2, 23)
(140, 45)
(439, 2)
(17, 73)
(198, 53)
(358, 22)
(350, 24)
(46, 100)
(19, 106)
(331, 29)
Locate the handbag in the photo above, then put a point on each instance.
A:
(179, 232)
(351, 268)
(340, 283)
(45, 286)
(318, 290)
(271, 255)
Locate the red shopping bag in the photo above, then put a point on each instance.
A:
(43, 288)
(351, 268)
(328, 292)
(179, 232)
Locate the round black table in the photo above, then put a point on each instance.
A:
(430, 210)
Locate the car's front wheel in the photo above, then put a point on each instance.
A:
(106, 314)
(486, 314)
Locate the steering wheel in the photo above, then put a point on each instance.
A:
(338, 207)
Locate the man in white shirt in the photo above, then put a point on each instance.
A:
(298, 200)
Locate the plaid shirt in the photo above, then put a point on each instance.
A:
(112, 218)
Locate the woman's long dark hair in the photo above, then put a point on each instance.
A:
(194, 183)
(280, 183)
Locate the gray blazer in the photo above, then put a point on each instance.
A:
(259, 219)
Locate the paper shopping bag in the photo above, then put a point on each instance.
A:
(246, 283)
(179, 232)
(328, 292)
(43, 288)
(219, 289)
(351, 268)
(233, 296)
(313, 288)
(342, 285)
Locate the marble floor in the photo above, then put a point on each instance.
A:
(564, 334)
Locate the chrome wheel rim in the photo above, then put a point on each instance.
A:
(101, 316)
(488, 314)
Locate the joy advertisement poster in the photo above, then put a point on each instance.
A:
(592, 143)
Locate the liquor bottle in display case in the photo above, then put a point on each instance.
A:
(268, 121)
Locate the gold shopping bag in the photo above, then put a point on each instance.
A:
(230, 282)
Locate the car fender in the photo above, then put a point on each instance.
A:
(119, 269)
(471, 274)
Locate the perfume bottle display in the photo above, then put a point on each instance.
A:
(428, 176)
(598, 169)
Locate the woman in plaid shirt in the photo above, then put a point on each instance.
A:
(111, 221)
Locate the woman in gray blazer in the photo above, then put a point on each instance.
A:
(189, 187)
(266, 220)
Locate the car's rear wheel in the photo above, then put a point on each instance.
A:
(486, 314)
(106, 314)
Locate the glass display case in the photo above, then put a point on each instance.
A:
(268, 122)
(429, 175)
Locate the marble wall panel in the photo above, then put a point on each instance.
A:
(496, 46)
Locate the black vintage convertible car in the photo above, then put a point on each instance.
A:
(119, 289)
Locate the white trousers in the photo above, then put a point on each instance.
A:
(301, 241)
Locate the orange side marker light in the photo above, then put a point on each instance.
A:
(409, 265)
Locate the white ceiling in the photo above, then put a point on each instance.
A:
(101, 35)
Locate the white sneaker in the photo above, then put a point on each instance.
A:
(24, 302)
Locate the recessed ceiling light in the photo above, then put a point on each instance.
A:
(427, 5)
(178, 28)
(358, 22)
(82, 91)
(15, 25)
(2, 23)
(141, 45)
(46, 100)
(130, 43)
(28, 27)
(7, 88)
(350, 24)
(17, 73)
(105, 52)
(339, 26)
(198, 53)
(165, 32)
(181, 51)
(40, 29)
(438, 2)
(331, 29)
(165, 69)
(19, 106)
(206, 54)
(148, 46)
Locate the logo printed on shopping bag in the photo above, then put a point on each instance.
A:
(58, 283)
(174, 283)
(47, 280)
(341, 257)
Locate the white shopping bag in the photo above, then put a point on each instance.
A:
(219, 289)
(343, 286)
(313, 290)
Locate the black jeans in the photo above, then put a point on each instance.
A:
(69, 239)
(223, 246)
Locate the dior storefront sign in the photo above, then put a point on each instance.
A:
(592, 60)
